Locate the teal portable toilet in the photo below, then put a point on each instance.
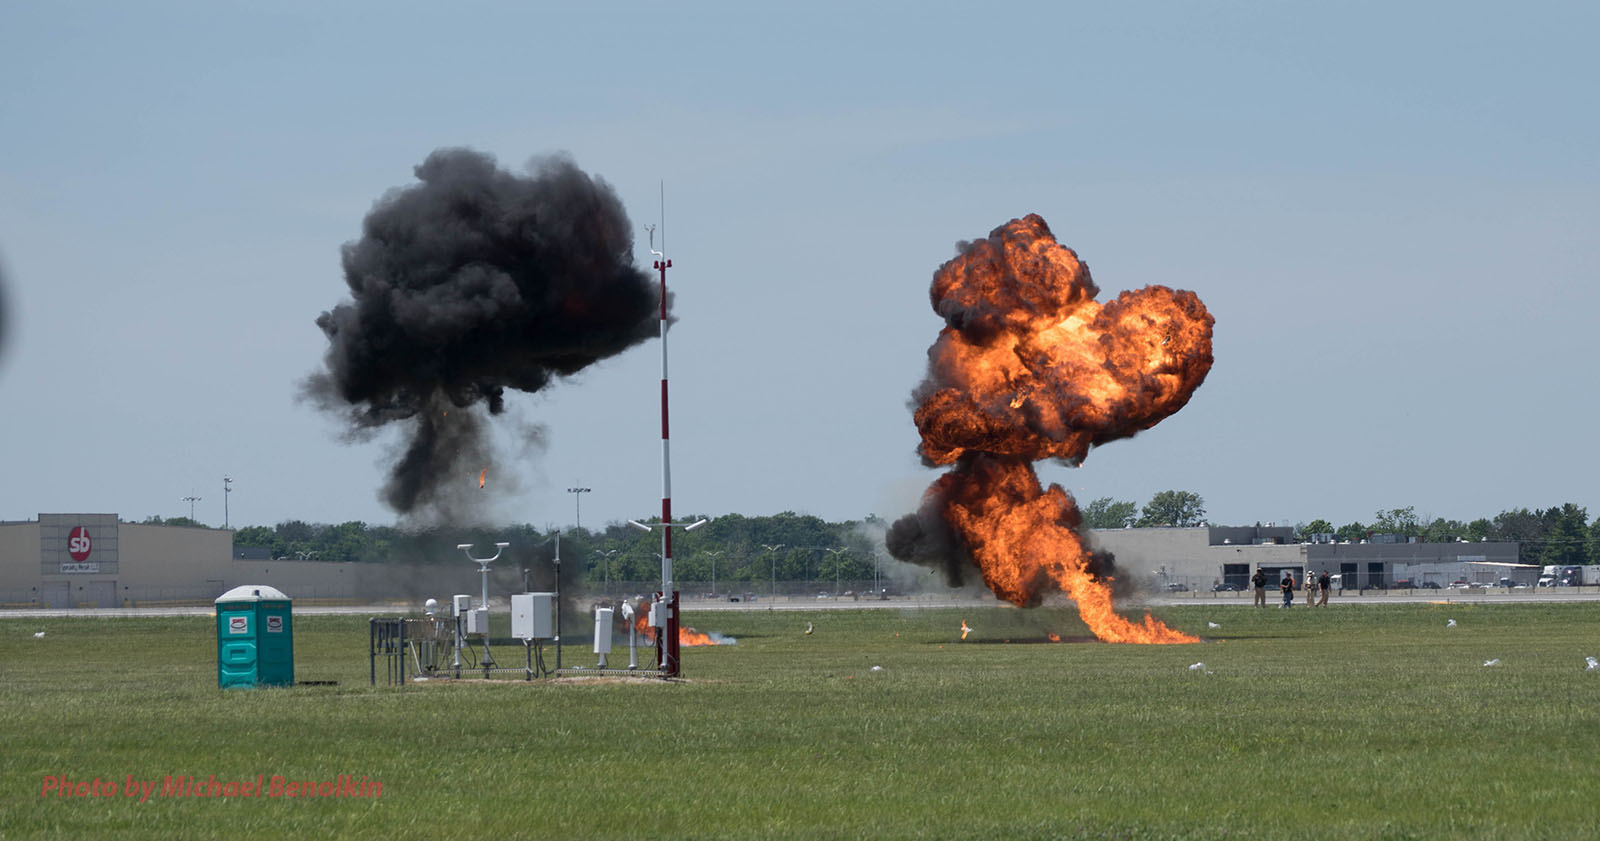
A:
(255, 638)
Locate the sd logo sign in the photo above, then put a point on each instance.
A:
(238, 624)
(79, 544)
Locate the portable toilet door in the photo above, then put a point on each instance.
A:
(255, 638)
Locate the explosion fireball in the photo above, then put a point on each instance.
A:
(1029, 366)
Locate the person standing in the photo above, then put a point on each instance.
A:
(1311, 589)
(1287, 586)
(1324, 584)
(1260, 581)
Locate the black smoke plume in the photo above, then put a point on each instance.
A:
(473, 281)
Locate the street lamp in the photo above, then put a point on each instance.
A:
(773, 550)
(714, 556)
(836, 553)
(607, 556)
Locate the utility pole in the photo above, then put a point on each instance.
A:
(577, 500)
(191, 499)
(227, 488)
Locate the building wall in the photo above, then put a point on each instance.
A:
(135, 563)
(1155, 558)
(19, 562)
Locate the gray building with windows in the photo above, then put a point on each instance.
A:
(1204, 557)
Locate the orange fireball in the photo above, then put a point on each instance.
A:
(1029, 367)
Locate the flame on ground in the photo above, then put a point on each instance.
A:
(482, 474)
(964, 629)
(1029, 367)
(686, 636)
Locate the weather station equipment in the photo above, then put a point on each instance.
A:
(478, 620)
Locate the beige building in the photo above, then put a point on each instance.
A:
(96, 560)
(1206, 557)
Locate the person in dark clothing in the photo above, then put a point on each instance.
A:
(1260, 581)
(1324, 583)
(1287, 586)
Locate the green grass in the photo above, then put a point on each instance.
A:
(1357, 722)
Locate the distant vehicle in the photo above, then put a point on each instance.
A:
(1429, 585)
(1227, 588)
(1559, 575)
(1177, 587)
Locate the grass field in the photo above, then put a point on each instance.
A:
(1349, 723)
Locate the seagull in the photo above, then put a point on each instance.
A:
(809, 629)
(38, 635)
(1212, 625)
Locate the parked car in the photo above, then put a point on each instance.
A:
(1227, 588)
(1177, 587)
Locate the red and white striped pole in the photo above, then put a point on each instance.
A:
(667, 640)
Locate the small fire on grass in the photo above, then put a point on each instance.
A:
(686, 636)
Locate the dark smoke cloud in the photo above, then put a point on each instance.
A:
(473, 281)
(925, 539)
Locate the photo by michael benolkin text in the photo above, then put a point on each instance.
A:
(343, 786)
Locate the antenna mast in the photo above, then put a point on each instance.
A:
(667, 598)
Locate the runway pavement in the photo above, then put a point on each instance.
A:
(1492, 595)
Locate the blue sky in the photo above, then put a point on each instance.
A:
(1389, 209)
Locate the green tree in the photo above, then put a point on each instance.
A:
(1108, 513)
(1567, 535)
(1443, 531)
(1173, 508)
(1353, 532)
(1594, 541)
(1317, 526)
(1401, 521)
(1523, 527)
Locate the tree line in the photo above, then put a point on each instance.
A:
(730, 548)
(792, 547)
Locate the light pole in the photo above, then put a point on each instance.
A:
(577, 501)
(191, 499)
(606, 556)
(227, 488)
(773, 551)
(836, 553)
(714, 556)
